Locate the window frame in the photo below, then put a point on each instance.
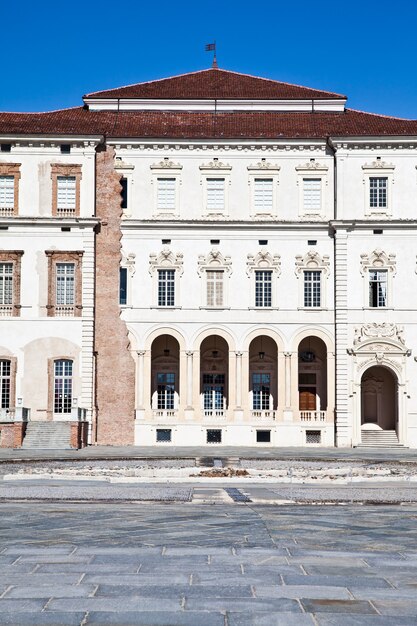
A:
(371, 171)
(166, 260)
(15, 258)
(263, 261)
(262, 171)
(313, 286)
(13, 170)
(375, 291)
(66, 170)
(312, 261)
(54, 258)
(166, 169)
(12, 382)
(318, 171)
(378, 260)
(215, 170)
(214, 261)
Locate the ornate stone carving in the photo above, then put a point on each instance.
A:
(215, 165)
(166, 259)
(264, 166)
(166, 164)
(384, 330)
(312, 166)
(129, 261)
(263, 260)
(311, 261)
(378, 165)
(214, 260)
(378, 259)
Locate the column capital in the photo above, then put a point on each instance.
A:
(141, 352)
(287, 354)
(238, 353)
(189, 352)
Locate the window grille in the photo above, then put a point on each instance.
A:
(6, 284)
(166, 390)
(62, 386)
(214, 436)
(312, 288)
(313, 436)
(65, 283)
(163, 435)
(66, 194)
(215, 287)
(6, 192)
(378, 285)
(378, 192)
(166, 194)
(263, 194)
(263, 436)
(261, 391)
(263, 288)
(166, 287)
(312, 194)
(5, 380)
(215, 194)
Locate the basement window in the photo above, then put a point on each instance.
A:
(313, 436)
(163, 435)
(263, 436)
(65, 148)
(6, 147)
(214, 436)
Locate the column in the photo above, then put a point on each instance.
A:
(238, 412)
(288, 406)
(140, 410)
(189, 409)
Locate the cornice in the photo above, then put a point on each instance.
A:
(76, 222)
(351, 225)
(232, 225)
(212, 145)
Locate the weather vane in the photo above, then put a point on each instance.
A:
(212, 47)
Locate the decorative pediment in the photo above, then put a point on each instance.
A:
(215, 165)
(264, 260)
(379, 342)
(129, 261)
(264, 166)
(166, 259)
(214, 260)
(378, 259)
(378, 165)
(312, 166)
(122, 165)
(166, 164)
(312, 261)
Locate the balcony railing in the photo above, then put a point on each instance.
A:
(313, 416)
(6, 211)
(64, 311)
(65, 212)
(264, 415)
(15, 414)
(6, 310)
(165, 414)
(215, 415)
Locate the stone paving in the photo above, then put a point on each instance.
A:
(192, 564)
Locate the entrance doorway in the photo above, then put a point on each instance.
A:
(379, 399)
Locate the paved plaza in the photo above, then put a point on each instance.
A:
(204, 555)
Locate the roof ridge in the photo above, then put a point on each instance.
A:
(389, 117)
(147, 82)
(80, 106)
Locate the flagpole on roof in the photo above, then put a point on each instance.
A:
(212, 47)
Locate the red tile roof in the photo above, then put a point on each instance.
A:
(193, 125)
(215, 83)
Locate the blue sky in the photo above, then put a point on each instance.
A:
(56, 52)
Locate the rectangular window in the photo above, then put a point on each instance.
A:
(263, 194)
(5, 384)
(378, 282)
(6, 284)
(263, 288)
(62, 386)
(166, 390)
(7, 192)
(65, 284)
(166, 194)
(123, 193)
(123, 286)
(312, 195)
(166, 287)
(215, 287)
(312, 288)
(261, 391)
(215, 194)
(378, 192)
(263, 436)
(163, 435)
(214, 436)
(66, 194)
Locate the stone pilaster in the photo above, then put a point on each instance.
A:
(115, 379)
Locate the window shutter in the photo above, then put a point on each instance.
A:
(7, 192)
(166, 194)
(215, 194)
(66, 192)
(312, 194)
(263, 194)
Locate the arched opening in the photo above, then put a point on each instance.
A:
(379, 399)
(165, 370)
(214, 371)
(263, 376)
(312, 379)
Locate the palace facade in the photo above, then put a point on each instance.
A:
(212, 258)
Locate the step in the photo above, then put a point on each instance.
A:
(47, 436)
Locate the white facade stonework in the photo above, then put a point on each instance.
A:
(267, 265)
